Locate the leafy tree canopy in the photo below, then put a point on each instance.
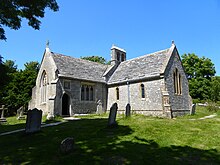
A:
(18, 84)
(1, 59)
(98, 59)
(13, 11)
(197, 67)
(200, 72)
(215, 88)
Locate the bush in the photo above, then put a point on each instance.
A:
(196, 101)
(212, 107)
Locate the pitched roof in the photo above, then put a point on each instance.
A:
(146, 66)
(76, 68)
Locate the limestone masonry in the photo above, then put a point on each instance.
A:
(153, 84)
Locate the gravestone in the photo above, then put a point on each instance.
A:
(193, 109)
(99, 107)
(20, 113)
(33, 121)
(128, 110)
(67, 145)
(112, 115)
(3, 119)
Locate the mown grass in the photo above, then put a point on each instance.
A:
(14, 124)
(136, 140)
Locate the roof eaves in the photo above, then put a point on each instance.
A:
(147, 78)
(71, 77)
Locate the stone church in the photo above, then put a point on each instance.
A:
(153, 84)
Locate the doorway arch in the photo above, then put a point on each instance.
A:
(65, 105)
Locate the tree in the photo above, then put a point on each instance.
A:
(200, 88)
(6, 71)
(98, 59)
(19, 89)
(13, 11)
(197, 67)
(215, 88)
(1, 59)
(199, 72)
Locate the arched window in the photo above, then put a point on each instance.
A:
(142, 91)
(117, 93)
(87, 93)
(177, 81)
(118, 57)
(43, 87)
(91, 93)
(82, 92)
(180, 84)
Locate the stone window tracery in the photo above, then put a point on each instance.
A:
(43, 86)
(177, 80)
(87, 93)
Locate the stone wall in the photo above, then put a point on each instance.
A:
(49, 67)
(179, 103)
(150, 105)
(77, 105)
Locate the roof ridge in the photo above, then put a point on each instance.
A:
(153, 53)
(79, 59)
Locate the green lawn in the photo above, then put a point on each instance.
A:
(137, 140)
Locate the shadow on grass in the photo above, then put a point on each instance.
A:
(96, 144)
(5, 127)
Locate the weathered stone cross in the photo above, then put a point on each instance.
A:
(2, 119)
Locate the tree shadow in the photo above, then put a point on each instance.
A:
(95, 143)
(5, 127)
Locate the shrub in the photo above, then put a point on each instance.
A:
(212, 107)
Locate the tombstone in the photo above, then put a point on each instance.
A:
(193, 109)
(3, 119)
(128, 110)
(67, 145)
(99, 107)
(20, 113)
(33, 121)
(112, 115)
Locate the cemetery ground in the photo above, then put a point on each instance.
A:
(136, 140)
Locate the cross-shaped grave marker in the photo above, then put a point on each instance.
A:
(3, 119)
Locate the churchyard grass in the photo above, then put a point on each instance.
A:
(14, 124)
(136, 140)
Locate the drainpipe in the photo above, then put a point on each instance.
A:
(128, 92)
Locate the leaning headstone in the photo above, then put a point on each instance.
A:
(112, 115)
(33, 121)
(67, 145)
(193, 109)
(128, 110)
(3, 119)
(99, 107)
(20, 113)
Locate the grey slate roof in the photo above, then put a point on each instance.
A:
(79, 69)
(142, 67)
(147, 66)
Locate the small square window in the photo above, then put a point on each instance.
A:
(66, 85)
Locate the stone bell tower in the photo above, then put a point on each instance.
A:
(117, 55)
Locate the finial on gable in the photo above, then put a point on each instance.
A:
(47, 46)
(173, 42)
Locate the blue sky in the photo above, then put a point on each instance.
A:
(90, 27)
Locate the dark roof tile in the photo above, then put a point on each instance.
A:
(79, 69)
